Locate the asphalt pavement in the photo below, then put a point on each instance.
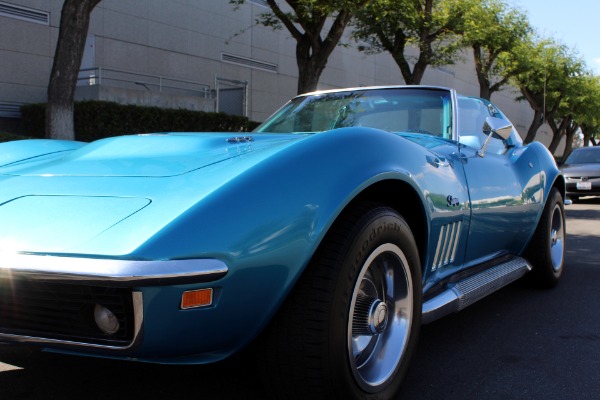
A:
(522, 343)
(518, 343)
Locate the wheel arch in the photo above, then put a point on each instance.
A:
(559, 183)
(402, 197)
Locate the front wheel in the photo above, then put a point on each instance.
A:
(546, 252)
(351, 324)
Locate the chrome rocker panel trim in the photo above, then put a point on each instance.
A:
(110, 272)
(469, 290)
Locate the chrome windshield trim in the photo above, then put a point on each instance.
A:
(138, 316)
(111, 272)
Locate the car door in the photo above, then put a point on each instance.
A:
(504, 182)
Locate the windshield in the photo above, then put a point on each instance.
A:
(394, 110)
(584, 156)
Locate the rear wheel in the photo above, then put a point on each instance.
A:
(546, 251)
(350, 327)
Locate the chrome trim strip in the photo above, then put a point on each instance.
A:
(456, 240)
(138, 316)
(448, 244)
(110, 272)
(437, 250)
(469, 290)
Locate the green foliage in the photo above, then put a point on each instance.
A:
(99, 119)
(317, 27)
(557, 84)
(7, 137)
(429, 26)
(548, 78)
(494, 29)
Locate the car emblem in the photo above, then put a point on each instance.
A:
(452, 201)
(241, 139)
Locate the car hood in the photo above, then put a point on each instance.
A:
(133, 196)
(59, 222)
(71, 198)
(152, 155)
(587, 170)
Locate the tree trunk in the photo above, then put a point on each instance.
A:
(312, 52)
(556, 138)
(557, 132)
(569, 137)
(536, 122)
(403, 66)
(484, 84)
(310, 67)
(539, 114)
(417, 74)
(74, 23)
(484, 92)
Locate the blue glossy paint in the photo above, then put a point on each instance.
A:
(28, 149)
(261, 207)
(57, 223)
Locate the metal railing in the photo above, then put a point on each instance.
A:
(136, 80)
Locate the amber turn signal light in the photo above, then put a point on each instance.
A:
(196, 298)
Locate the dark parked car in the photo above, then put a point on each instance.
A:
(582, 172)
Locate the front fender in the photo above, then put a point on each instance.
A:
(21, 150)
(266, 223)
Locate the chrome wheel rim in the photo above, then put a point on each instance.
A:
(380, 317)
(557, 238)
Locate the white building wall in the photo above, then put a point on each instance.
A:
(185, 40)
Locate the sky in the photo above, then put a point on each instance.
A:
(576, 23)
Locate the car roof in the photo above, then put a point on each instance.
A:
(363, 88)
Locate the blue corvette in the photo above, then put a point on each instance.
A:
(324, 238)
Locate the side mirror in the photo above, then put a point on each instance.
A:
(496, 127)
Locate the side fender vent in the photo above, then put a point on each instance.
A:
(445, 251)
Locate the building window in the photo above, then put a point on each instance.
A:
(260, 2)
(249, 62)
(24, 13)
(10, 109)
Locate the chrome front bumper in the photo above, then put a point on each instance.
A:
(106, 273)
(110, 272)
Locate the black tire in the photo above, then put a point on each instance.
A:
(361, 295)
(546, 252)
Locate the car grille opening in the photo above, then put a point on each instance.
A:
(64, 311)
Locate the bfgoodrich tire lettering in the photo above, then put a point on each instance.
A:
(350, 327)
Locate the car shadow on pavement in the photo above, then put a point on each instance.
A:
(39, 375)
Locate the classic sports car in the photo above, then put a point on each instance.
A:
(324, 238)
(582, 172)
